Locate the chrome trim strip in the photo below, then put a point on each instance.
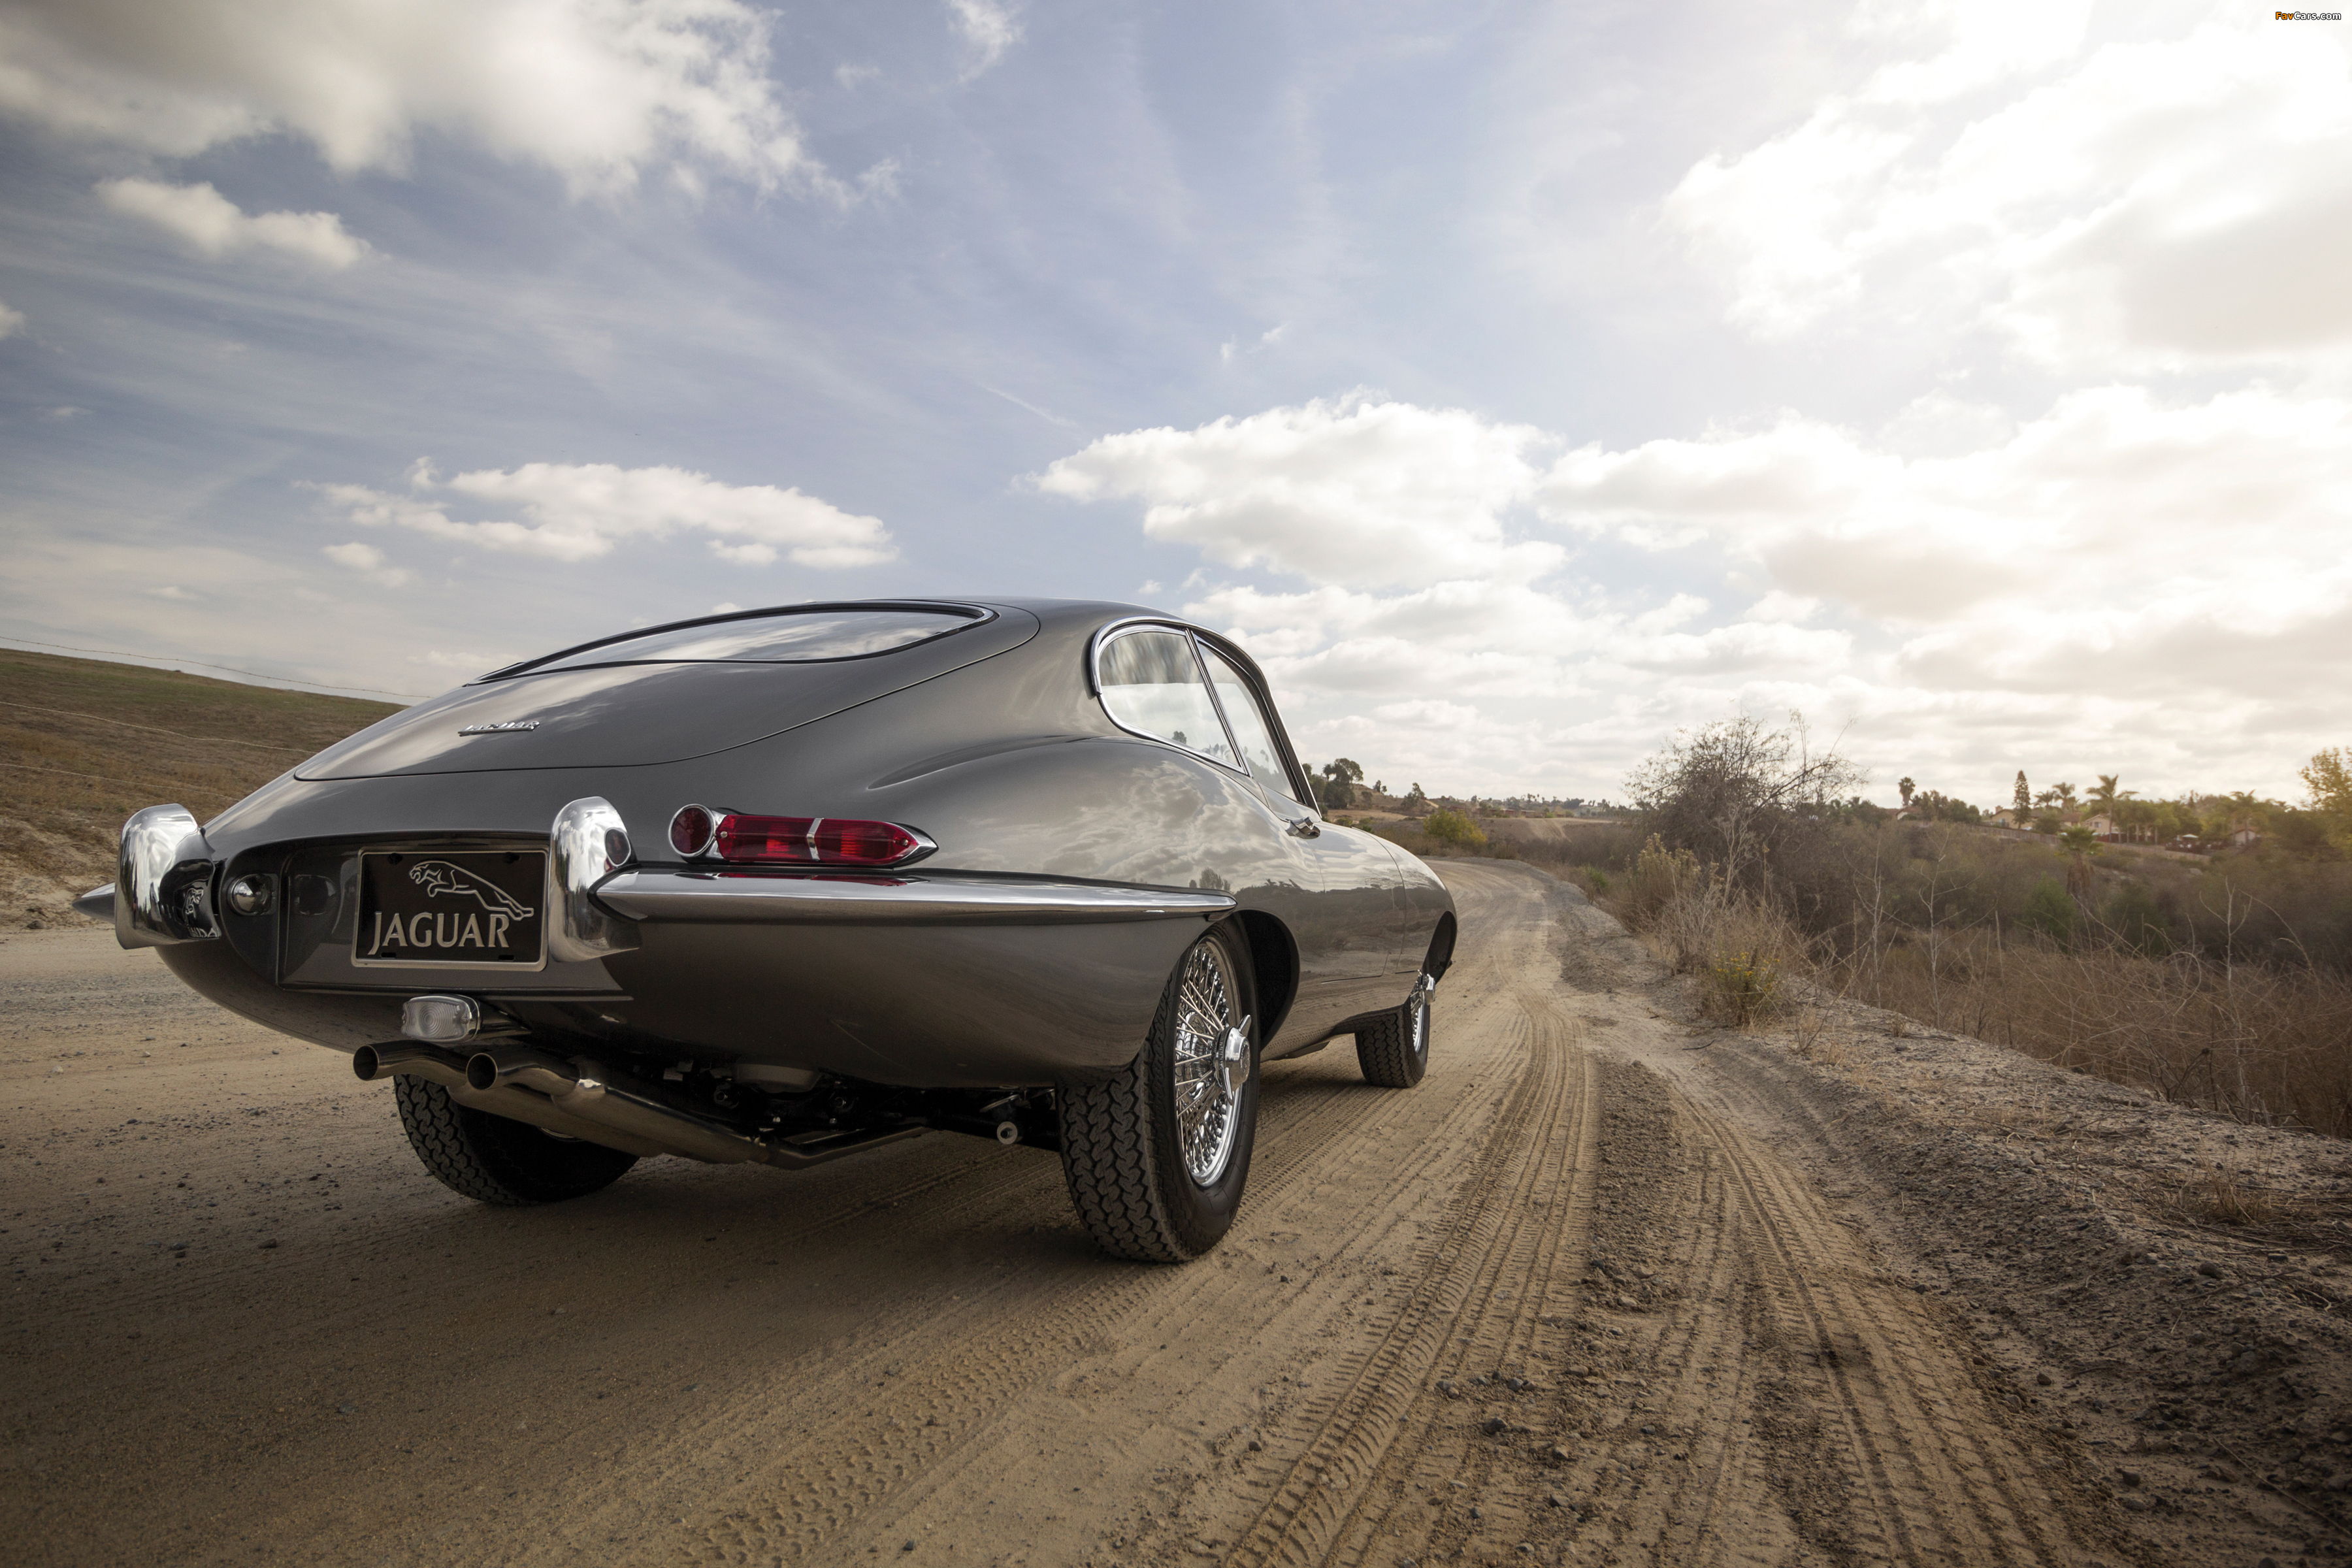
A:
(98, 904)
(754, 898)
(162, 878)
(974, 616)
(580, 848)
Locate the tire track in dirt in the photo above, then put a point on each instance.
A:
(1487, 1232)
(1873, 1436)
(1489, 1282)
(1565, 1237)
(1297, 1150)
(1807, 1404)
(1945, 1482)
(854, 1474)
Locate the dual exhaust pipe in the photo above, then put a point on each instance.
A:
(513, 1080)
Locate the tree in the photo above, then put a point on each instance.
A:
(1339, 781)
(1733, 791)
(2081, 844)
(2329, 777)
(2050, 910)
(1904, 788)
(2107, 796)
(2024, 799)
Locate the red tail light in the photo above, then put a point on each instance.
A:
(742, 839)
(690, 829)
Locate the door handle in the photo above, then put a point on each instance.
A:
(1306, 827)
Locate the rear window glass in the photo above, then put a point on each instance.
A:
(802, 639)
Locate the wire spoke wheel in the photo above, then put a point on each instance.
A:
(1157, 1154)
(1210, 1033)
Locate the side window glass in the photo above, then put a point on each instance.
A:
(1150, 682)
(1250, 731)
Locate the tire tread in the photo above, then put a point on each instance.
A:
(476, 1154)
(1384, 1050)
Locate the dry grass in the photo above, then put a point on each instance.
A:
(2269, 1044)
(85, 743)
(2214, 1196)
(2262, 1045)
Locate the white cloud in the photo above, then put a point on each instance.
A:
(2064, 583)
(2145, 203)
(579, 511)
(988, 28)
(213, 226)
(599, 90)
(12, 321)
(366, 559)
(1350, 491)
(459, 659)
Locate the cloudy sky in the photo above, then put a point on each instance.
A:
(1518, 382)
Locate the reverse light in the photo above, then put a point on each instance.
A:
(740, 838)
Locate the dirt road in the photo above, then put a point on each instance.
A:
(1574, 1300)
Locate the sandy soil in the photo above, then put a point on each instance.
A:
(1609, 1286)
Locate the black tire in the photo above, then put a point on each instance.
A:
(495, 1159)
(1394, 1052)
(1123, 1139)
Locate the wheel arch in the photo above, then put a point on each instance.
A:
(1274, 967)
(1440, 957)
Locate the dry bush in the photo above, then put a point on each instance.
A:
(1743, 949)
(1593, 855)
(2214, 1196)
(2263, 1044)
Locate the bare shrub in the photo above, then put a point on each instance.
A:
(2214, 1196)
(1738, 988)
(2259, 1043)
(1737, 793)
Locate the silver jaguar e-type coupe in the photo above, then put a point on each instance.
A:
(786, 883)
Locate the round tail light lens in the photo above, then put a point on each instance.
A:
(690, 830)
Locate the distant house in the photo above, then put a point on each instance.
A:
(2243, 838)
(2103, 827)
(2009, 816)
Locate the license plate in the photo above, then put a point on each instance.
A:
(439, 909)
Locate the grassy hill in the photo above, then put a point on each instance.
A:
(84, 744)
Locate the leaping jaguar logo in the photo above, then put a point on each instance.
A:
(438, 876)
